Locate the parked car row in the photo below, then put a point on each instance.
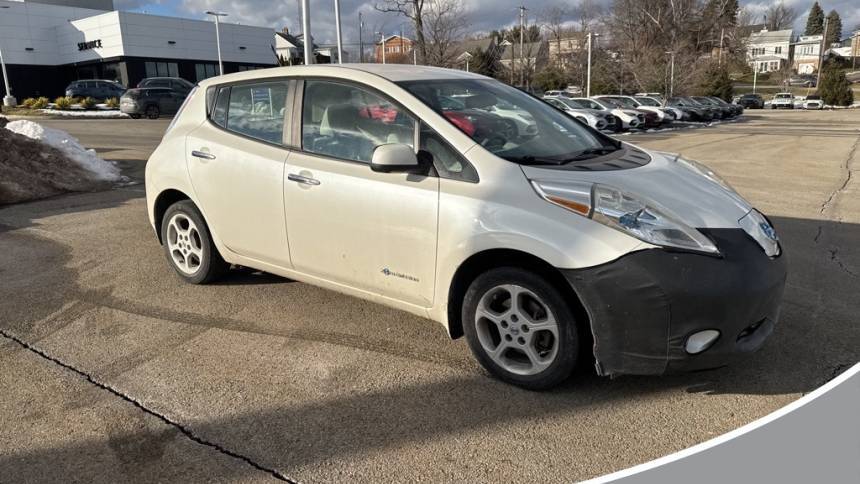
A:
(152, 97)
(641, 111)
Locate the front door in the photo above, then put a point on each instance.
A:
(351, 225)
(236, 162)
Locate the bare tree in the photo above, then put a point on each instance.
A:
(414, 11)
(553, 20)
(445, 24)
(780, 17)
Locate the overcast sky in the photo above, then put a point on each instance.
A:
(484, 15)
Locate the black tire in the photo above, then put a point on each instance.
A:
(135, 116)
(211, 264)
(152, 112)
(568, 340)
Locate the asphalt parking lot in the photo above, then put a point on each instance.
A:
(114, 371)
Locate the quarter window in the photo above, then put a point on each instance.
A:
(349, 123)
(257, 110)
(447, 161)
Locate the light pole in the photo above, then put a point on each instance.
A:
(382, 43)
(8, 99)
(755, 75)
(306, 32)
(218, 38)
(588, 69)
(337, 26)
(672, 73)
(360, 38)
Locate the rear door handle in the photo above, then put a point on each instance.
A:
(303, 179)
(203, 154)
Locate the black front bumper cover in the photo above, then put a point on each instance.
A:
(644, 305)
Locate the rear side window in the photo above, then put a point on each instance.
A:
(219, 109)
(257, 110)
(347, 122)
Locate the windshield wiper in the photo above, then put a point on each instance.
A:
(592, 153)
(532, 160)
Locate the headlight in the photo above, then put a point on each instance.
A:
(757, 227)
(627, 213)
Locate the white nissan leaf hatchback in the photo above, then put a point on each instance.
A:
(403, 185)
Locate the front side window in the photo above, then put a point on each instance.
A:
(589, 104)
(647, 101)
(257, 110)
(347, 122)
(510, 123)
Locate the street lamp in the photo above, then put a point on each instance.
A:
(218, 38)
(8, 99)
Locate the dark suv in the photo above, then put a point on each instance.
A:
(178, 84)
(751, 101)
(94, 88)
(150, 102)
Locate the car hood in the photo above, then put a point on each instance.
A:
(665, 180)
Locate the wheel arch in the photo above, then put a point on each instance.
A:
(162, 202)
(480, 262)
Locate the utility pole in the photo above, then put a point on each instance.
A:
(8, 99)
(821, 47)
(306, 32)
(672, 73)
(360, 38)
(337, 27)
(382, 42)
(522, 37)
(218, 38)
(722, 34)
(588, 70)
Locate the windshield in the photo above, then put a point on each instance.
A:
(624, 102)
(647, 101)
(783, 96)
(572, 103)
(510, 123)
(589, 104)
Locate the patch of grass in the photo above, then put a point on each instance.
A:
(63, 103)
(40, 103)
(88, 103)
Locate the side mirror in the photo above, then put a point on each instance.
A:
(394, 158)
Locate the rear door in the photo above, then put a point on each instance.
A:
(236, 162)
(348, 224)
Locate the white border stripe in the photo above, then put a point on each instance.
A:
(696, 449)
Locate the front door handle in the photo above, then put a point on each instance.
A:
(203, 154)
(303, 179)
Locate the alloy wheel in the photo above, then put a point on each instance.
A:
(184, 243)
(517, 329)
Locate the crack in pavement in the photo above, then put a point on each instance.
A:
(187, 432)
(827, 204)
(849, 171)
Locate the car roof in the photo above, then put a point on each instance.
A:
(390, 72)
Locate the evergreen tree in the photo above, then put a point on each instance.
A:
(716, 82)
(834, 28)
(484, 63)
(835, 88)
(551, 78)
(815, 20)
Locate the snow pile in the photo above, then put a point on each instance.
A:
(44, 162)
(69, 146)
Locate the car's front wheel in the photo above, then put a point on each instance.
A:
(188, 244)
(152, 112)
(520, 328)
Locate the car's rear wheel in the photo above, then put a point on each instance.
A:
(188, 244)
(152, 112)
(134, 116)
(520, 328)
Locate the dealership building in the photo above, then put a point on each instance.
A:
(46, 44)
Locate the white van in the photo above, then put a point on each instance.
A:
(546, 247)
